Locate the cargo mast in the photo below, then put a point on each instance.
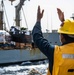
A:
(17, 12)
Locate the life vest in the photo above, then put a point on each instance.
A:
(63, 60)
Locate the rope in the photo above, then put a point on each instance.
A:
(5, 13)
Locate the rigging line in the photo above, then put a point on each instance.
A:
(24, 18)
(6, 16)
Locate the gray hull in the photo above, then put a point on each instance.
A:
(19, 55)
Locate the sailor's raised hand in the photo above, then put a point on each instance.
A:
(39, 14)
(60, 14)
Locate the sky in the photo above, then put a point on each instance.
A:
(50, 19)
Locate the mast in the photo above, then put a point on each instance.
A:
(1, 16)
(17, 11)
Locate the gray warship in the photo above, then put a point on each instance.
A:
(14, 48)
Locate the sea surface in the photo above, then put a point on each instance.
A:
(25, 68)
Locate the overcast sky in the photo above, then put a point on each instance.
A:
(50, 19)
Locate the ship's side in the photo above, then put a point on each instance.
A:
(28, 53)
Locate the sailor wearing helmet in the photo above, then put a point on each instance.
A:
(61, 58)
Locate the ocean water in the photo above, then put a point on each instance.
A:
(25, 68)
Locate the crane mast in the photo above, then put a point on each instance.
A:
(17, 11)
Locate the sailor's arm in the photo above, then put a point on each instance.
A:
(38, 38)
(41, 42)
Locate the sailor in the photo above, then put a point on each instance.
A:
(61, 58)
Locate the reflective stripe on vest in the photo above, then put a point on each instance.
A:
(70, 56)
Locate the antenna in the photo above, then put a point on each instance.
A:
(51, 21)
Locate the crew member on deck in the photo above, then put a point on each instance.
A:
(61, 58)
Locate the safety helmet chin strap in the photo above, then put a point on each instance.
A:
(71, 35)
